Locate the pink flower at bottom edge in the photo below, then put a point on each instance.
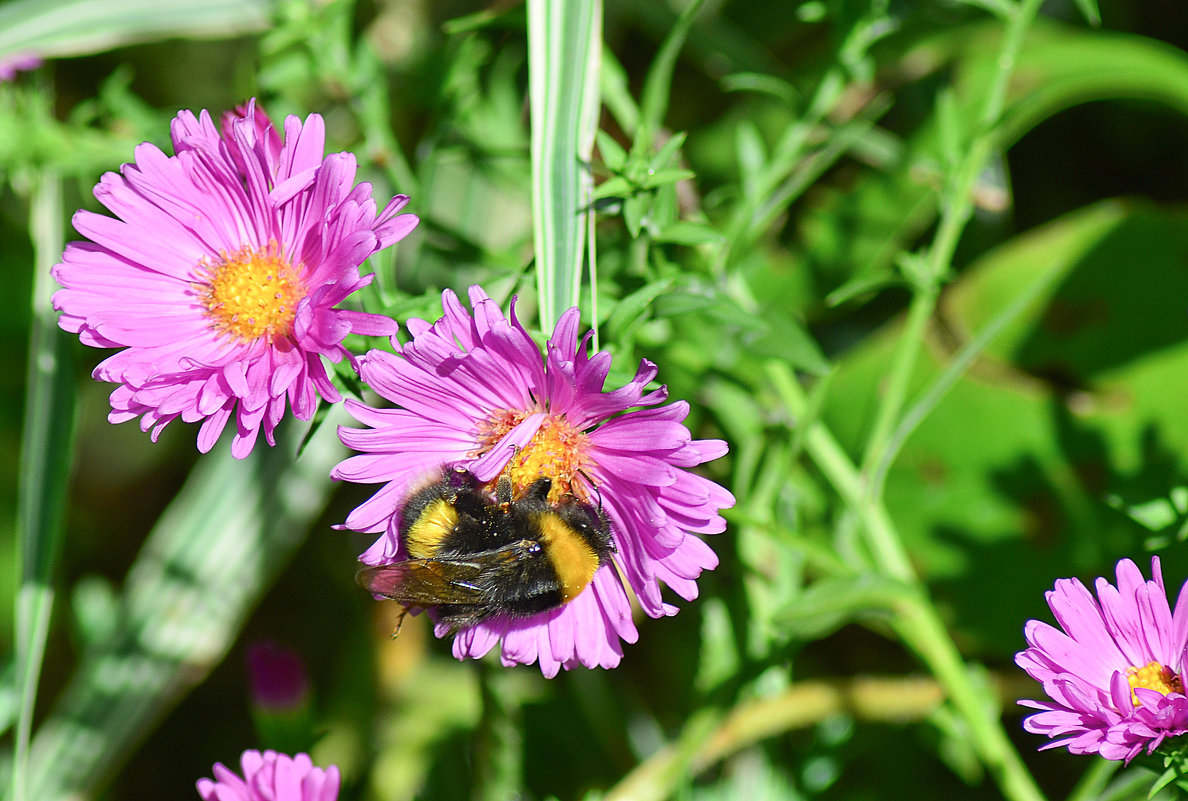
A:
(270, 776)
(1114, 670)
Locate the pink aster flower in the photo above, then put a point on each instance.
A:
(1115, 672)
(13, 63)
(270, 776)
(220, 275)
(472, 392)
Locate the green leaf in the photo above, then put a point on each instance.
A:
(828, 604)
(1090, 11)
(1155, 514)
(96, 610)
(667, 152)
(1164, 779)
(1003, 9)
(664, 177)
(634, 208)
(613, 154)
(8, 696)
(719, 658)
(1062, 67)
(616, 186)
(763, 84)
(787, 339)
(692, 296)
(654, 104)
(631, 310)
(752, 156)
(616, 94)
(686, 232)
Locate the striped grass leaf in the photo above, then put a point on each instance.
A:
(210, 558)
(47, 28)
(564, 46)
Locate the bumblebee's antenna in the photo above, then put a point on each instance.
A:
(596, 488)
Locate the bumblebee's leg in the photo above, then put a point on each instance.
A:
(400, 621)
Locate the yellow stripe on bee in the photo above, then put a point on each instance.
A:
(427, 531)
(573, 560)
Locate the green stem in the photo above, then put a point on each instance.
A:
(884, 543)
(655, 778)
(903, 366)
(959, 202)
(921, 628)
(917, 623)
(1094, 780)
(499, 750)
(956, 210)
(956, 368)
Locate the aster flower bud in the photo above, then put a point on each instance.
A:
(1114, 670)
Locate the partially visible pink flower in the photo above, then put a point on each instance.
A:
(474, 393)
(1115, 673)
(221, 272)
(270, 776)
(13, 63)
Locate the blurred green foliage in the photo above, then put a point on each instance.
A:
(772, 180)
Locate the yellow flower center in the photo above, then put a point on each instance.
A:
(252, 294)
(1153, 677)
(557, 451)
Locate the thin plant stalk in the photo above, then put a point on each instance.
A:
(46, 449)
(956, 210)
(499, 752)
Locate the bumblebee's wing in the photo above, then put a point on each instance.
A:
(464, 580)
(423, 582)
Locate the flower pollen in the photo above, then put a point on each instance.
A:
(557, 451)
(1153, 676)
(253, 294)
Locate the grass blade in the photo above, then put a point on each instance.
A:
(76, 27)
(564, 47)
(654, 105)
(45, 467)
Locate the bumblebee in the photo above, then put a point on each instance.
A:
(472, 556)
